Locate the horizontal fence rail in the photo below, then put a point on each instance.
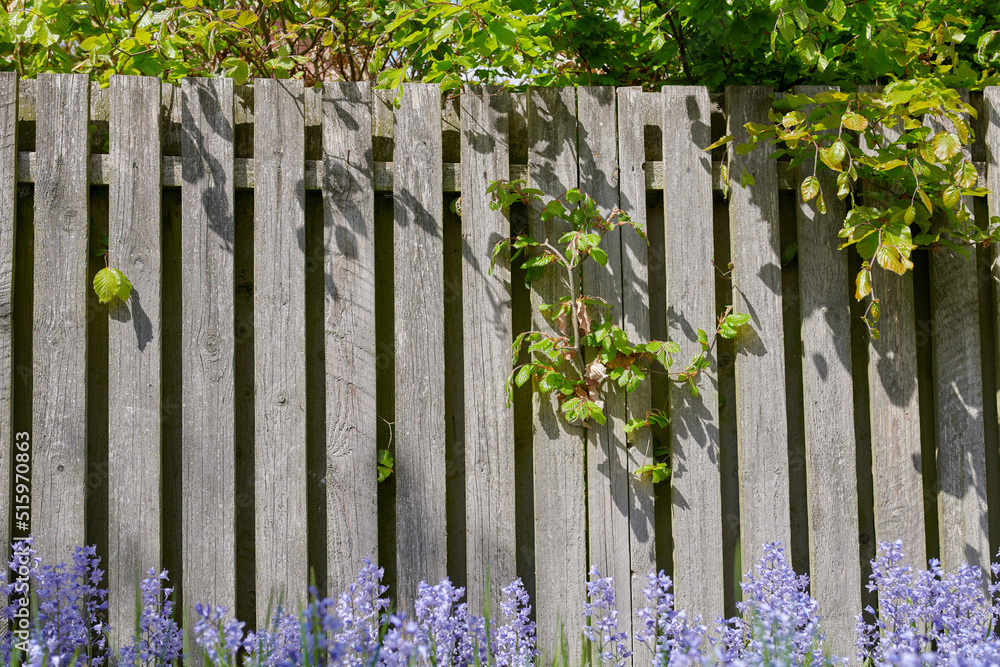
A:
(305, 295)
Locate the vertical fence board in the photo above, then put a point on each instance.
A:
(636, 323)
(134, 344)
(489, 423)
(607, 458)
(207, 344)
(419, 323)
(958, 414)
(558, 450)
(956, 358)
(349, 209)
(8, 208)
(990, 120)
(894, 409)
(59, 422)
(760, 373)
(696, 494)
(828, 401)
(279, 343)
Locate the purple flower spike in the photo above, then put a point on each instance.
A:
(158, 640)
(514, 645)
(602, 621)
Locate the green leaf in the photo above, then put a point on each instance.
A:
(809, 188)
(864, 282)
(504, 35)
(946, 146)
(854, 121)
(746, 179)
(910, 215)
(724, 140)
(951, 196)
(836, 9)
(599, 256)
(106, 284)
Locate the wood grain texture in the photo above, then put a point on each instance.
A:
(134, 346)
(956, 358)
(696, 496)
(760, 372)
(894, 409)
(636, 323)
(8, 212)
(559, 472)
(419, 323)
(486, 299)
(828, 402)
(207, 345)
(349, 210)
(279, 343)
(958, 412)
(59, 340)
(607, 456)
(989, 117)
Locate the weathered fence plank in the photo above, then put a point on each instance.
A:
(607, 458)
(421, 529)
(279, 343)
(828, 402)
(489, 423)
(208, 345)
(636, 323)
(59, 403)
(894, 409)
(558, 450)
(990, 121)
(760, 373)
(956, 358)
(349, 209)
(134, 345)
(8, 211)
(696, 496)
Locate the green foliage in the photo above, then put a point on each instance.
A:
(901, 159)
(587, 352)
(385, 463)
(110, 283)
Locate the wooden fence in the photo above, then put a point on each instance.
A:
(304, 295)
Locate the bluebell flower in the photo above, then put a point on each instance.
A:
(360, 609)
(514, 644)
(158, 640)
(601, 628)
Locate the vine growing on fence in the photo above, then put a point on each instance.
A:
(587, 350)
(900, 155)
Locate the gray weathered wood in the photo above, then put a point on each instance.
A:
(607, 458)
(990, 121)
(560, 509)
(8, 209)
(828, 402)
(349, 210)
(489, 424)
(419, 324)
(956, 357)
(696, 496)
(636, 323)
(894, 409)
(59, 405)
(134, 345)
(760, 372)
(207, 345)
(279, 343)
